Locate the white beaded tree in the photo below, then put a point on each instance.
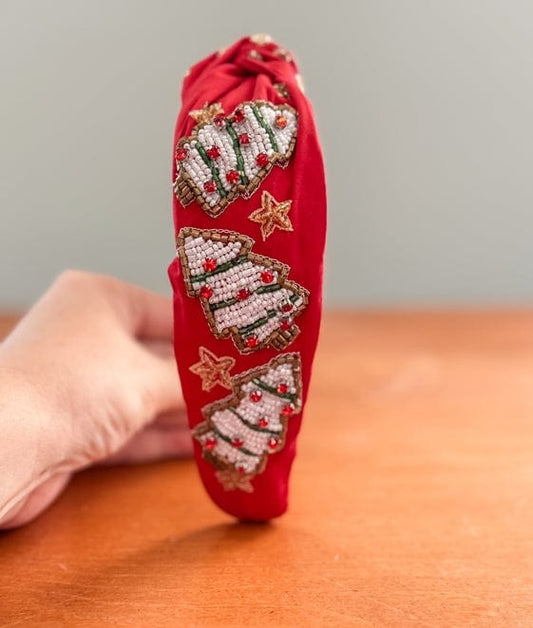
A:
(229, 156)
(240, 431)
(243, 295)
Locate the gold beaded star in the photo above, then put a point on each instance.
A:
(272, 214)
(232, 479)
(207, 114)
(213, 370)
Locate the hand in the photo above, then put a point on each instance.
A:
(88, 376)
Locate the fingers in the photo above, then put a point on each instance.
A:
(37, 501)
(148, 314)
(163, 349)
(154, 443)
(172, 419)
(75, 294)
(144, 313)
(159, 386)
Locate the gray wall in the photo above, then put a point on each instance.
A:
(425, 111)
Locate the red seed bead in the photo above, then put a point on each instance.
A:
(213, 152)
(219, 120)
(256, 395)
(262, 160)
(181, 153)
(273, 443)
(210, 443)
(252, 341)
(210, 186)
(244, 138)
(267, 276)
(243, 294)
(237, 442)
(287, 410)
(233, 176)
(283, 388)
(239, 116)
(209, 264)
(206, 291)
(263, 422)
(286, 307)
(281, 122)
(285, 324)
(240, 468)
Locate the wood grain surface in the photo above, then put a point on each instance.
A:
(412, 502)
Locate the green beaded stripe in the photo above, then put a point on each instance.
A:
(274, 287)
(214, 170)
(294, 297)
(238, 153)
(265, 125)
(261, 290)
(273, 391)
(258, 323)
(252, 426)
(264, 319)
(220, 269)
(228, 440)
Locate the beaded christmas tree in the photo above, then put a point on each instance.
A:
(243, 295)
(240, 431)
(228, 156)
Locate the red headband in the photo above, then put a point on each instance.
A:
(250, 219)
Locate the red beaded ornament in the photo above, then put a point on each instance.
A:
(238, 115)
(252, 341)
(233, 176)
(288, 410)
(210, 443)
(262, 160)
(285, 324)
(209, 265)
(181, 153)
(213, 152)
(206, 291)
(256, 395)
(243, 294)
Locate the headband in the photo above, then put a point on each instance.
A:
(249, 210)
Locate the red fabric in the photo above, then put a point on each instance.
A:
(231, 78)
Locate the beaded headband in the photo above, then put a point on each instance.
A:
(250, 221)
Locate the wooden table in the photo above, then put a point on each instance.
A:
(412, 502)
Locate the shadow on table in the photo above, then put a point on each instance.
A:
(78, 562)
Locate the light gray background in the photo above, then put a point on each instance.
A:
(424, 108)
